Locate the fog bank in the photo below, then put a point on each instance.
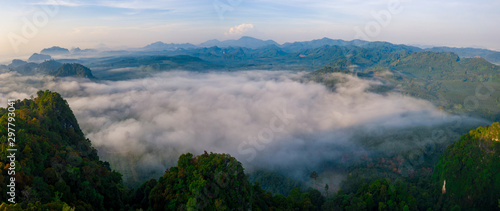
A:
(263, 118)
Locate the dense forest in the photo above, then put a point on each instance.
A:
(442, 78)
(56, 166)
(58, 169)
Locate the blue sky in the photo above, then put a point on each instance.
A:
(131, 23)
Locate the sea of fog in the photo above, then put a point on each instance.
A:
(266, 119)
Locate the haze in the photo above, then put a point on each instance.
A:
(130, 23)
(266, 119)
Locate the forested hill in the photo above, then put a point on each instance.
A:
(56, 166)
(471, 169)
(51, 67)
(442, 78)
(213, 181)
(58, 169)
(76, 70)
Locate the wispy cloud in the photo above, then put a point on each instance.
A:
(457, 23)
(59, 3)
(135, 5)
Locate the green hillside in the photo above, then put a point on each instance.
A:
(58, 169)
(75, 70)
(471, 169)
(56, 165)
(459, 86)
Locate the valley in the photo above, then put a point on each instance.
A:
(364, 116)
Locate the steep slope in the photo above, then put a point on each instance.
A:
(469, 170)
(491, 56)
(196, 178)
(216, 182)
(56, 165)
(58, 169)
(48, 66)
(459, 85)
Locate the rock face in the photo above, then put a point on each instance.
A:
(443, 190)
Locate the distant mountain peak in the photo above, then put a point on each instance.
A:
(244, 41)
(54, 50)
(39, 57)
(248, 38)
(160, 46)
(72, 70)
(17, 63)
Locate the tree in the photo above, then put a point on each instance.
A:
(55, 171)
(208, 181)
(326, 190)
(314, 175)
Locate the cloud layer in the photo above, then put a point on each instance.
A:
(263, 118)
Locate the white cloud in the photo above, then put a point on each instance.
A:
(127, 4)
(60, 3)
(143, 125)
(239, 29)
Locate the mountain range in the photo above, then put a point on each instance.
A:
(441, 75)
(60, 169)
(254, 43)
(247, 44)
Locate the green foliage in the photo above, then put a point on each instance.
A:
(208, 181)
(58, 169)
(217, 182)
(471, 168)
(442, 78)
(140, 198)
(274, 182)
(57, 166)
(48, 66)
(76, 70)
(379, 195)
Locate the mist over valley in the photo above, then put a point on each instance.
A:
(303, 116)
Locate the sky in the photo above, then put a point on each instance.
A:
(27, 27)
